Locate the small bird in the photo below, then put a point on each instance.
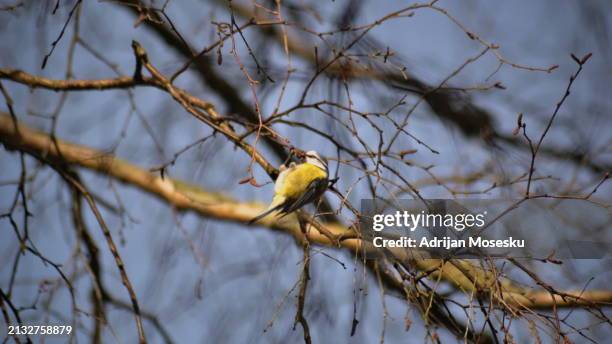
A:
(298, 185)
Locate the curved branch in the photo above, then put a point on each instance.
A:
(185, 196)
(191, 103)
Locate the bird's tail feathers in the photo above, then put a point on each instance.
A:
(277, 204)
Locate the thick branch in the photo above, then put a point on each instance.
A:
(185, 196)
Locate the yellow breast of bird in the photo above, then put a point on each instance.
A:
(297, 179)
